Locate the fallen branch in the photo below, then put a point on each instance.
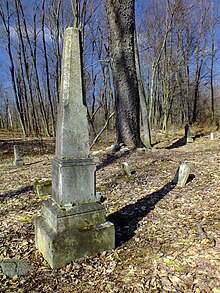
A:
(102, 130)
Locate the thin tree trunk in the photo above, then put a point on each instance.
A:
(7, 25)
(47, 70)
(27, 71)
(143, 104)
(33, 56)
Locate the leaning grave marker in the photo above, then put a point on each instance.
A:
(182, 175)
(73, 223)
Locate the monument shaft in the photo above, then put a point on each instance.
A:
(73, 223)
(72, 128)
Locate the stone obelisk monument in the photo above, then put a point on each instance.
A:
(73, 223)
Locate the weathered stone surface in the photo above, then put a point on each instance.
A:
(182, 175)
(72, 128)
(18, 160)
(142, 150)
(60, 248)
(13, 266)
(81, 216)
(73, 223)
(43, 187)
(188, 137)
(73, 181)
(126, 168)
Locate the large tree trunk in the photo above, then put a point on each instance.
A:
(121, 18)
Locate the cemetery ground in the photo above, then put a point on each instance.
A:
(167, 237)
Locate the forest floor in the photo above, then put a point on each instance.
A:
(167, 237)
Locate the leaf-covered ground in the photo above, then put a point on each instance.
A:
(168, 238)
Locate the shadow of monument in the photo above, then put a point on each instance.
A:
(179, 143)
(16, 192)
(191, 178)
(110, 159)
(126, 220)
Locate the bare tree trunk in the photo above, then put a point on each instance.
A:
(27, 71)
(6, 23)
(212, 64)
(47, 70)
(199, 61)
(34, 61)
(121, 20)
(56, 7)
(143, 102)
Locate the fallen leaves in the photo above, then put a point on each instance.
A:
(159, 248)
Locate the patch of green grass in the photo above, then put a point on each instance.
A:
(25, 220)
(101, 188)
(177, 267)
(44, 197)
(130, 179)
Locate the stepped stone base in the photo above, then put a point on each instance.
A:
(63, 235)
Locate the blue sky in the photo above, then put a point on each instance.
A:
(141, 6)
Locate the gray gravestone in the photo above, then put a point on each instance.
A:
(15, 267)
(73, 223)
(18, 160)
(188, 137)
(182, 175)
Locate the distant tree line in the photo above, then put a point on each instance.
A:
(176, 56)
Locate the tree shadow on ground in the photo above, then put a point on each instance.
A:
(126, 220)
(180, 142)
(198, 135)
(155, 143)
(110, 159)
(27, 147)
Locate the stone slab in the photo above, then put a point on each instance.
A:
(83, 216)
(182, 175)
(18, 160)
(15, 267)
(61, 248)
(43, 186)
(188, 137)
(73, 181)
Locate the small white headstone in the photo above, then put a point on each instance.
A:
(126, 168)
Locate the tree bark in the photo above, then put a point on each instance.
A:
(121, 19)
